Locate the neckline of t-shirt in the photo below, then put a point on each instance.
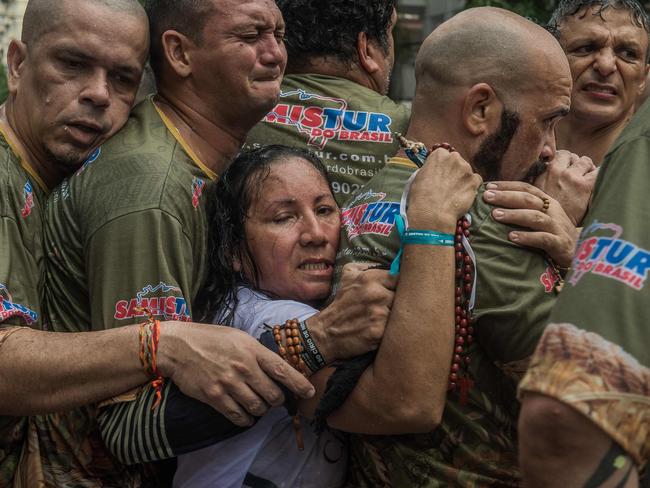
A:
(186, 147)
(24, 163)
(402, 161)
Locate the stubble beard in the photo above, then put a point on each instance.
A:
(487, 160)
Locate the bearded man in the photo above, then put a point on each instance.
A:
(493, 86)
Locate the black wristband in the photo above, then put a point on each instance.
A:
(310, 355)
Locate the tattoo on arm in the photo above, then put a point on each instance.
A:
(613, 462)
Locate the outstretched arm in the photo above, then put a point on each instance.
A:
(93, 366)
(45, 372)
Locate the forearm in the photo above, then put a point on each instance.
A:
(44, 372)
(558, 446)
(137, 433)
(405, 389)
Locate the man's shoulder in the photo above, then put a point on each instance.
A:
(623, 176)
(638, 128)
(323, 88)
(387, 185)
(312, 103)
(368, 217)
(10, 168)
(143, 146)
(16, 186)
(141, 168)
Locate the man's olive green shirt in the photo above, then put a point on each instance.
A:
(350, 127)
(127, 232)
(475, 445)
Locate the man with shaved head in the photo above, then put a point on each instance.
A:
(72, 83)
(492, 85)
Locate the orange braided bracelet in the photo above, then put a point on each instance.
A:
(149, 337)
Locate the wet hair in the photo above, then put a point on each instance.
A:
(331, 28)
(229, 202)
(568, 8)
(188, 17)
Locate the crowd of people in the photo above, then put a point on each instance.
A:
(269, 274)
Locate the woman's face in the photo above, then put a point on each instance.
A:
(292, 232)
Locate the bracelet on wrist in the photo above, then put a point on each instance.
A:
(149, 338)
(290, 349)
(417, 236)
(311, 355)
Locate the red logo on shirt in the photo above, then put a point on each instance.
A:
(169, 307)
(28, 195)
(337, 122)
(549, 278)
(197, 190)
(603, 252)
(9, 309)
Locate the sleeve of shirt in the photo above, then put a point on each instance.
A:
(19, 301)
(142, 260)
(377, 250)
(145, 260)
(515, 293)
(135, 432)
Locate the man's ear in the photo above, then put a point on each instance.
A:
(368, 53)
(177, 49)
(16, 56)
(481, 110)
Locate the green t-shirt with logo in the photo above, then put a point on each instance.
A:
(350, 127)
(128, 231)
(606, 291)
(594, 355)
(21, 242)
(21, 275)
(475, 445)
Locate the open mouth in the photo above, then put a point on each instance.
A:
(83, 134)
(600, 90)
(321, 266)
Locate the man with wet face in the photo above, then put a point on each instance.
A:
(71, 86)
(499, 84)
(126, 235)
(606, 42)
(72, 82)
(333, 98)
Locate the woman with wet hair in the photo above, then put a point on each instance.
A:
(274, 233)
